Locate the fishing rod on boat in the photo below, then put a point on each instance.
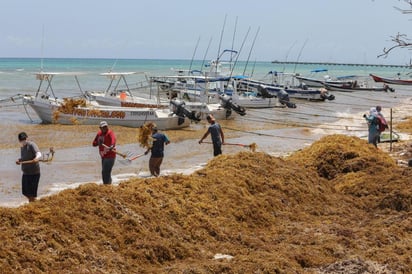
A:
(233, 43)
(204, 57)
(240, 50)
(193, 56)
(220, 42)
(253, 69)
(250, 51)
(300, 53)
(287, 55)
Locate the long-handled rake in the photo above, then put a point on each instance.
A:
(252, 146)
(115, 150)
(128, 156)
(46, 157)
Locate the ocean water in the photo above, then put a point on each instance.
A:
(283, 130)
(17, 74)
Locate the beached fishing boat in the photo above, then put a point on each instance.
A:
(152, 95)
(297, 92)
(350, 88)
(68, 111)
(313, 81)
(393, 81)
(259, 99)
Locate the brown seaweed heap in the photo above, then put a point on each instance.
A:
(68, 106)
(144, 136)
(338, 206)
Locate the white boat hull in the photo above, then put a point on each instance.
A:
(137, 102)
(48, 112)
(256, 102)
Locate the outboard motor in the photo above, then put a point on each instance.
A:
(180, 110)
(264, 92)
(226, 102)
(324, 94)
(386, 87)
(283, 98)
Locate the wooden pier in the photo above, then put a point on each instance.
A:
(340, 64)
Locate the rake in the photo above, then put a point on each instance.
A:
(115, 150)
(252, 146)
(129, 156)
(46, 157)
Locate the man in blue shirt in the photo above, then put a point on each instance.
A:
(216, 132)
(157, 149)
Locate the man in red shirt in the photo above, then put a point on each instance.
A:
(106, 140)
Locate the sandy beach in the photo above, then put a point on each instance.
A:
(313, 198)
(275, 131)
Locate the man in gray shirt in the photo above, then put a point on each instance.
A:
(29, 161)
(216, 132)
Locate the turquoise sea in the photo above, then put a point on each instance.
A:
(284, 130)
(17, 74)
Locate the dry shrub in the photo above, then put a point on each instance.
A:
(272, 215)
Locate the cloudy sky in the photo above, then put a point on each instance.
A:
(352, 31)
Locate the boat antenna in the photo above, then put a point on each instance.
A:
(253, 69)
(287, 55)
(42, 48)
(220, 42)
(114, 64)
(237, 57)
(193, 56)
(233, 43)
(117, 59)
(300, 53)
(250, 52)
(204, 57)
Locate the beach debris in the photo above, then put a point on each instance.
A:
(219, 256)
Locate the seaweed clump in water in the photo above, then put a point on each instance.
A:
(242, 213)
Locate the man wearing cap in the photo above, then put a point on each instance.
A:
(157, 149)
(216, 132)
(29, 161)
(106, 140)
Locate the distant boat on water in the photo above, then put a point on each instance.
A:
(393, 81)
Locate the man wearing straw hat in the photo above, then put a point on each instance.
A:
(216, 132)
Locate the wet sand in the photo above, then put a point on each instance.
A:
(275, 131)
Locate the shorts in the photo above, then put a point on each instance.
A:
(29, 184)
